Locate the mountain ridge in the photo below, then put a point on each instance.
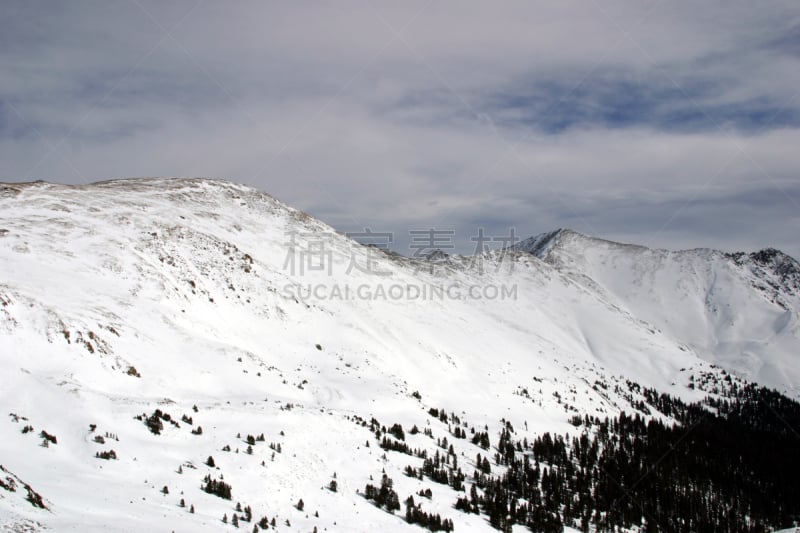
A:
(540, 244)
(175, 318)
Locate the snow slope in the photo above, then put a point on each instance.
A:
(204, 298)
(738, 310)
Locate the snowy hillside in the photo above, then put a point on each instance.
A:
(176, 320)
(735, 310)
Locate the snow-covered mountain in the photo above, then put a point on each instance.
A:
(736, 310)
(173, 320)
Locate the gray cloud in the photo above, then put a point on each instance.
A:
(666, 124)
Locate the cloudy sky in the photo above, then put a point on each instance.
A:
(664, 123)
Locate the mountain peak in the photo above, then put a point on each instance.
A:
(540, 244)
(784, 268)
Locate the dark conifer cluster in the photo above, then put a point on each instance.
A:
(396, 430)
(431, 521)
(107, 455)
(384, 496)
(47, 438)
(402, 447)
(216, 487)
(440, 469)
(155, 421)
(708, 473)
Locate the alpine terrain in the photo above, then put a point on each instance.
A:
(194, 355)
